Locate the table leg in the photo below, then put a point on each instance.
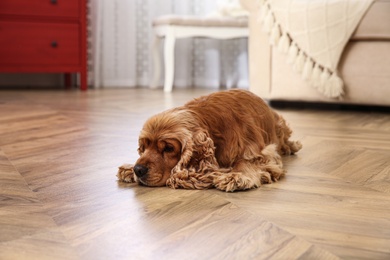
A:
(156, 63)
(169, 57)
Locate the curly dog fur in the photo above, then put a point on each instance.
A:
(229, 140)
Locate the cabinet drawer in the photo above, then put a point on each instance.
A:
(52, 8)
(28, 44)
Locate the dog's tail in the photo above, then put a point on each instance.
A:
(283, 132)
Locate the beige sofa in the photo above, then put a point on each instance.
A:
(364, 65)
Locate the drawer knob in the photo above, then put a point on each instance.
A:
(54, 44)
(53, 2)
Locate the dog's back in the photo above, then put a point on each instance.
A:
(238, 121)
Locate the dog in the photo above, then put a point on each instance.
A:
(229, 140)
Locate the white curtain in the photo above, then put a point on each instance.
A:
(122, 38)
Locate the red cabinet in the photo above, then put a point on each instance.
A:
(44, 36)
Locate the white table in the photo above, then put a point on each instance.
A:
(174, 27)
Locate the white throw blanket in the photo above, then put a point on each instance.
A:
(313, 34)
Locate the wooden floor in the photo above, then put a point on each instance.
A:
(59, 197)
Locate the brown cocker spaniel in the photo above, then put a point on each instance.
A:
(229, 140)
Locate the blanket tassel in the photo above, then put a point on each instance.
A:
(335, 86)
(284, 44)
(275, 35)
(292, 53)
(323, 86)
(316, 76)
(300, 62)
(268, 22)
(307, 69)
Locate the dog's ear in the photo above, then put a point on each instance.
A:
(197, 159)
(198, 152)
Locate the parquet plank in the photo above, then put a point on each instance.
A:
(27, 232)
(328, 212)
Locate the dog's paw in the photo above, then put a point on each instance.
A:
(126, 173)
(235, 181)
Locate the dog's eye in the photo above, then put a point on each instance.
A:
(168, 149)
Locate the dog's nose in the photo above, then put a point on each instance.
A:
(140, 170)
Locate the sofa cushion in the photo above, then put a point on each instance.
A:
(186, 20)
(375, 24)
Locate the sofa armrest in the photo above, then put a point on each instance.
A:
(259, 53)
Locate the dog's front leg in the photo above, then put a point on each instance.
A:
(126, 173)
